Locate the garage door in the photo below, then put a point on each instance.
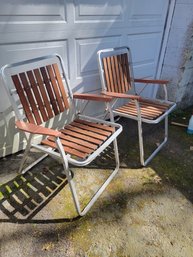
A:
(77, 30)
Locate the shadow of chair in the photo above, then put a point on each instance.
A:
(26, 194)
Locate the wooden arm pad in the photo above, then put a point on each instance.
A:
(121, 95)
(36, 129)
(94, 97)
(152, 81)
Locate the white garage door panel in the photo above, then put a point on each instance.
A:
(101, 10)
(32, 11)
(87, 78)
(77, 29)
(144, 70)
(32, 15)
(147, 13)
(145, 53)
(86, 64)
(20, 52)
(149, 8)
(144, 47)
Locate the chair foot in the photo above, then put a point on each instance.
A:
(98, 193)
(145, 162)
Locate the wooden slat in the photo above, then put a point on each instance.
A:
(23, 99)
(106, 73)
(161, 108)
(89, 128)
(122, 95)
(127, 85)
(61, 86)
(133, 111)
(66, 149)
(36, 129)
(142, 108)
(158, 106)
(113, 73)
(96, 125)
(43, 93)
(94, 97)
(113, 70)
(120, 64)
(154, 104)
(124, 72)
(55, 87)
(164, 106)
(81, 136)
(129, 112)
(73, 145)
(145, 111)
(86, 132)
(111, 83)
(152, 109)
(31, 99)
(119, 85)
(37, 95)
(152, 81)
(79, 141)
(149, 108)
(49, 90)
(144, 103)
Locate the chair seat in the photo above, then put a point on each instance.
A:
(149, 109)
(81, 138)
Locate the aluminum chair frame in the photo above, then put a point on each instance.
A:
(60, 154)
(122, 50)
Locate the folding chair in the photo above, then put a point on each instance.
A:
(38, 90)
(117, 79)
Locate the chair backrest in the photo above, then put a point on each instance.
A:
(41, 86)
(115, 66)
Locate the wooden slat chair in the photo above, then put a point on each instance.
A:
(40, 87)
(117, 79)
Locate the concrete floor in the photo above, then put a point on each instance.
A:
(144, 212)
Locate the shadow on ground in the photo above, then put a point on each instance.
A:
(25, 195)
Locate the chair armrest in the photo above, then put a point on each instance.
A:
(121, 95)
(152, 81)
(93, 97)
(36, 129)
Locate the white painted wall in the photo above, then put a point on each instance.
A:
(177, 66)
(77, 30)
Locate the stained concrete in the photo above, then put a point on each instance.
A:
(143, 212)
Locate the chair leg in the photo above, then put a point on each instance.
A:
(72, 184)
(109, 110)
(27, 149)
(141, 146)
(21, 170)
